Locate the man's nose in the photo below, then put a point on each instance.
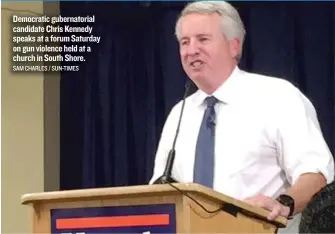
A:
(193, 48)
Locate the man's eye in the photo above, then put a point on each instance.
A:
(203, 39)
(183, 43)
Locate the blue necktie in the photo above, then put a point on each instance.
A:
(204, 155)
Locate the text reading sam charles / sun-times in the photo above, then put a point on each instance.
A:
(52, 43)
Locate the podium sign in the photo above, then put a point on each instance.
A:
(158, 218)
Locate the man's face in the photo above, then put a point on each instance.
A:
(205, 52)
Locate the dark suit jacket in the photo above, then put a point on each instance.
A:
(319, 215)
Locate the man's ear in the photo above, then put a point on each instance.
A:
(234, 47)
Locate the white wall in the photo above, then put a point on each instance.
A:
(30, 129)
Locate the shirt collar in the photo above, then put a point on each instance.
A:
(226, 93)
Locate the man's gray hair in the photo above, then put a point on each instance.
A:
(232, 25)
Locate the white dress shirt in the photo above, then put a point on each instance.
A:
(267, 135)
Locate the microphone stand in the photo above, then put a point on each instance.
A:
(166, 177)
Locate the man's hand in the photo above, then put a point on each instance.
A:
(276, 209)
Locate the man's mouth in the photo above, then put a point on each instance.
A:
(196, 63)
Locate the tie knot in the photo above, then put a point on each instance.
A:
(211, 101)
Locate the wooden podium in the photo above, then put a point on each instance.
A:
(168, 208)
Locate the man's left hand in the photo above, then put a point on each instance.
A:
(276, 209)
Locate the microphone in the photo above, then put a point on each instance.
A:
(211, 121)
(166, 177)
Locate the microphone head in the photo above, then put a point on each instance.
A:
(211, 121)
(190, 88)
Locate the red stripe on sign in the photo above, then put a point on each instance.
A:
(116, 221)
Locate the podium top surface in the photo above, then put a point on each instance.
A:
(189, 188)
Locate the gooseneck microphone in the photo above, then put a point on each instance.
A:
(166, 177)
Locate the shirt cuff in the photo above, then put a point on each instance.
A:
(327, 173)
